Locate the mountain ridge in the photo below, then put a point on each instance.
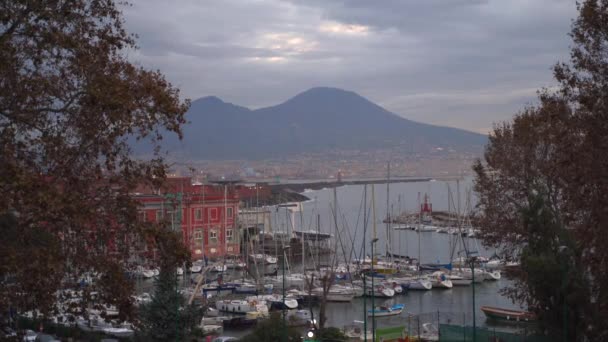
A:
(313, 121)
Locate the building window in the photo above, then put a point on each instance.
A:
(229, 211)
(198, 214)
(213, 213)
(229, 235)
(198, 234)
(213, 236)
(159, 215)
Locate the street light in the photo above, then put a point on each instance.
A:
(563, 250)
(285, 248)
(472, 260)
(373, 293)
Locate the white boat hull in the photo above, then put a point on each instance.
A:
(240, 306)
(385, 314)
(460, 281)
(494, 275)
(421, 284)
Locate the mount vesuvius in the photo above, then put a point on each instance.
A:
(317, 120)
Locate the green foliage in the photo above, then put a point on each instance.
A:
(331, 334)
(543, 193)
(167, 318)
(551, 277)
(272, 329)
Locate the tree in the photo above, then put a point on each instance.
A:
(70, 104)
(271, 330)
(543, 189)
(332, 334)
(167, 317)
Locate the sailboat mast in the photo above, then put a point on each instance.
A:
(363, 261)
(373, 215)
(336, 221)
(388, 213)
(303, 242)
(225, 218)
(419, 232)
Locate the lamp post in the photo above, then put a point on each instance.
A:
(285, 248)
(562, 251)
(373, 293)
(472, 259)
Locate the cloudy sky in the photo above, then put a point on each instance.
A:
(461, 63)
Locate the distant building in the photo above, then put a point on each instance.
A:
(206, 214)
(258, 220)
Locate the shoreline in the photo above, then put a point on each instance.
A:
(292, 192)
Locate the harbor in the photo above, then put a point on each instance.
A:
(333, 245)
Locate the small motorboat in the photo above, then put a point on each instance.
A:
(508, 314)
(383, 311)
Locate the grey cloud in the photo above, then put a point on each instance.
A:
(464, 63)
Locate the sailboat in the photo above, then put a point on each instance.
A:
(458, 280)
(440, 280)
(419, 283)
(336, 293)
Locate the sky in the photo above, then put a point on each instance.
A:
(460, 63)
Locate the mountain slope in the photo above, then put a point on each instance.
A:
(316, 120)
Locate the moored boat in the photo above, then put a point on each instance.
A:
(241, 306)
(458, 280)
(383, 311)
(508, 314)
(492, 275)
(422, 283)
(276, 301)
(379, 291)
(440, 280)
(336, 293)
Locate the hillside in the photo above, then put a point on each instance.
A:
(316, 120)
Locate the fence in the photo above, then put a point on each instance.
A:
(442, 326)
(454, 333)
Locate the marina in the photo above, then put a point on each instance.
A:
(440, 287)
